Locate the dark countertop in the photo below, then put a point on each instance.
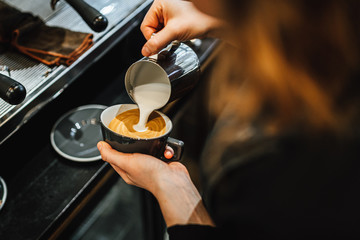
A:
(45, 191)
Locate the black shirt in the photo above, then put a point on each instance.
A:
(293, 185)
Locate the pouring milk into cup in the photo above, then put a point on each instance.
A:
(151, 83)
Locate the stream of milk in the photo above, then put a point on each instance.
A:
(149, 97)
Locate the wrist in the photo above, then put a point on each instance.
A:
(217, 28)
(180, 201)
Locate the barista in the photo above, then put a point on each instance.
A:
(282, 160)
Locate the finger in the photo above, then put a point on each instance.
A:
(152, 22)
(169, 152)
(159, 41)
(112, 156)
(148, 27)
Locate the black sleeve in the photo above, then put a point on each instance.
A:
(193, 231)
(287, 188)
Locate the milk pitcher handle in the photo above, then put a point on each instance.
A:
(172, 46)
(166, 51)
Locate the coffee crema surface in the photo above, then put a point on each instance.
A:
(123, 124)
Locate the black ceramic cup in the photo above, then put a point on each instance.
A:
(151, 146)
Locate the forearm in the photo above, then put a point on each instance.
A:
(181, 203)
(170, 183)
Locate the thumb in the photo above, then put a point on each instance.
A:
(157, 42)
(108, 154)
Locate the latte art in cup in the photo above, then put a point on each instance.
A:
(123, 124)
(152, 142)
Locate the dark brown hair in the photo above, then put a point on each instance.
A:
(294, 56)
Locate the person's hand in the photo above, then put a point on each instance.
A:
(170, 183)
(174, 20)
(142, 170)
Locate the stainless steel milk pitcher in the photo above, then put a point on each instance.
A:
(177, 65)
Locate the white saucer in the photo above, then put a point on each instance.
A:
(76, 134)
(3, 193)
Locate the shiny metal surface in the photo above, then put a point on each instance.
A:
(5, 69)
(3, 193)
(44, 83)
(178, 66)
(94, 19)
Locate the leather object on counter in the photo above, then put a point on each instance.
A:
(30, 35)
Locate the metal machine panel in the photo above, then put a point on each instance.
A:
(44, 83)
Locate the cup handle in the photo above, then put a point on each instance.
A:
(177, 146)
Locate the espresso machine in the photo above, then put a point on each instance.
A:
(49, 195)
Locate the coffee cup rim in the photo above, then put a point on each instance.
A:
(168, 122)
